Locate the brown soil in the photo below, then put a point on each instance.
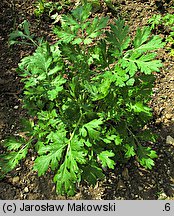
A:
(128, 181)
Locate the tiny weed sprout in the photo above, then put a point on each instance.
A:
(88, 94)
(22, 35)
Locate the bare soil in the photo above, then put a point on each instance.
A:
(128, 181)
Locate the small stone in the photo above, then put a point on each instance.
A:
(162, 196)
(170, 140)
(125, 174)
(26, 189)
(169, 116)
(158, 121)
(140, 188)
(166, 121)
(15, 179)
(16, 107)
(132, 194)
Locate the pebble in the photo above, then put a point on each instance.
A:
(169, 116)
(158, 121)
(169, 140)
(16, 107)
(15, 179)
(26, 189)
(125, 174)
(162, 196)
(12, 127)
(140, 188)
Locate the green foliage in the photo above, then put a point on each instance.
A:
(49, 7)
(22, 35)
(88, 93)
(158, 19)
(167, 22)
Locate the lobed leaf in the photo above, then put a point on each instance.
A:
(118, 36)
(92, 172)
(104, 157)
(93, 128)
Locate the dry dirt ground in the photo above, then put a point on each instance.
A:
(127, 181)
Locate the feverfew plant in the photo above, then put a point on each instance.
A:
(88, 96)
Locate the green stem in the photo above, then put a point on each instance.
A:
(137, 141)
(29, 38)
(72, 135)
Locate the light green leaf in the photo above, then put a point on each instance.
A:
(57, 87)
(65, 182)
(56, 69)
(13, 144)
(104, 157)
(87, 40)
(121, 76)
(130, 152)
(130, 82)
(147, 163)
(83, 132)
(150, 66)
(129, 66)
(41, 164)
(153, 44)
(140, 107)
(77, 41)
(152, 154)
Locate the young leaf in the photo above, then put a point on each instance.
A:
(13, 144)
(121, 76)
(146, 156)
(148, 163)
(56, 87)
(104, 157)
(139, 107)
(130, 152)
(10, 160)
(41, 164)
